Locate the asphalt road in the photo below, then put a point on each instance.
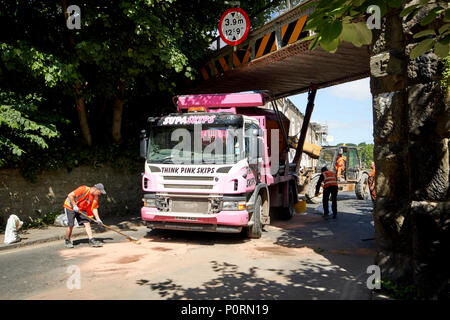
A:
(304, 258)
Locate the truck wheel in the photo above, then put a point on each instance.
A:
(310, 192)
(362, 187)
(288, 213)
(255, 230)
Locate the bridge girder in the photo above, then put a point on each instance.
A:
(275, 58)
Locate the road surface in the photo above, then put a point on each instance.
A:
(304, 258)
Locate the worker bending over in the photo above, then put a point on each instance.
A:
(84, 199)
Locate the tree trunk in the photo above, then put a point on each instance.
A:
(81, 107)
(82, 116)
(411, 152)
(117, 113)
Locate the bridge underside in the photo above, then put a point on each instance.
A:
(291, 70)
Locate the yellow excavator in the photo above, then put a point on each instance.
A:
(355, 178)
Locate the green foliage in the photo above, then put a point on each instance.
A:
(437, 20)
(319, 250)
(445, 82)
(40, 222)
(365, 153)
(335, 21)
(345, 20)
(148, 48)
(21, 124)
(399, 292)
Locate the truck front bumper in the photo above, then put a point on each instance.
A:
(224, 221)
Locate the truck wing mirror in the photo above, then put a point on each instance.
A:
(257, 132)
(143, 144)
(261, 147)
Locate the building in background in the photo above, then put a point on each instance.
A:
(316, 133)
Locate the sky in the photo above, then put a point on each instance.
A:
(346, 108)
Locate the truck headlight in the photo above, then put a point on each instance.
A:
(149, 202)
(233, 205)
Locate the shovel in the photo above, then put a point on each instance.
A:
(109, 228)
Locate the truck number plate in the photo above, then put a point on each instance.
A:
(185, 219)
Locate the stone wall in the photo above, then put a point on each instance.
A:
(411, 135)
(47, 194)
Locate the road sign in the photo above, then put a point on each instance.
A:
(234, 26)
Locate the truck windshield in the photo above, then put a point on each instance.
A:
(186, 144)
(326, 159)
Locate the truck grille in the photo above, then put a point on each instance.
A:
(188, 178)
(191, 205)
(187, 186)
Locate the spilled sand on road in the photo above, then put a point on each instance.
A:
(122, 265)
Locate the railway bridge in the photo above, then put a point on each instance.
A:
(277, 57)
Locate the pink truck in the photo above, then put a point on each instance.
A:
(219, 164)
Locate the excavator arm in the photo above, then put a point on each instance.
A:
(310, 149)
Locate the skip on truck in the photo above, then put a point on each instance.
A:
(220, 164)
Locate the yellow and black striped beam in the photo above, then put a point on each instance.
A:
(290, 33)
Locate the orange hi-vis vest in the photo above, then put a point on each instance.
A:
(84, 200)
(329, 179)
(340, 163)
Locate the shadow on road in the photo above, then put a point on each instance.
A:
(195, 237)
(338, 271)
(86, 240)
(313, 280)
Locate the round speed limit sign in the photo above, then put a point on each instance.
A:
(234, 26)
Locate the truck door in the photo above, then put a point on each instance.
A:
(254, 149)
(353, 165)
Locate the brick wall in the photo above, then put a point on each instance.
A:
(47, 194)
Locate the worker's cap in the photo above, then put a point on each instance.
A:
(100, 187)
(324, 169)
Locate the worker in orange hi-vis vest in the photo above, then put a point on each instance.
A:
(371, 182)
(339, 166)
(83, 199)
(330, 187)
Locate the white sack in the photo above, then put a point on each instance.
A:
(62, 221)
(12, 226)
(320, 208)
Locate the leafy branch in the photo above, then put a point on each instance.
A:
(333, 22)
(17, 127)
(437, 36)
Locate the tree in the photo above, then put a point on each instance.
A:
(365, 152)
(127, 60)
(411, 128)
(21, 123)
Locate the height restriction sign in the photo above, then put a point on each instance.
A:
(234, 26)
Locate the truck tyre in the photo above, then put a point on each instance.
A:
(255, 230)
(288, 213)
(310, 192)
(362, 187)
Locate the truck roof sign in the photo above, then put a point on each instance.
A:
(225, 100)
(207, 119)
